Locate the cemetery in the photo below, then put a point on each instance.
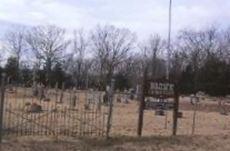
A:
(71, 112)
(114, 75)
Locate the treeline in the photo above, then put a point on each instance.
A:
(198, 60)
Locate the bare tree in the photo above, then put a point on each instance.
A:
(151, 51)
(131, 70)
(199, 45)
(178, 64)
(15, 43)
(80, 49)
(224, 45)
(47, 44)
(111, 46)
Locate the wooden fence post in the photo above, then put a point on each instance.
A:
(175, 110)
(109, 121)
(194, 119)
(142, 103)
(62, 92)
(56, 92)
(166, 116)
(195, 103)
(2, 105)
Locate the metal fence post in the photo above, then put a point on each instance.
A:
(109, 121)
(2, 104)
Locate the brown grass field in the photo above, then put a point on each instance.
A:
(212, 131)
(153, 143)
(208, 120)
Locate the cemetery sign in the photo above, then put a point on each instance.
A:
(160, 89)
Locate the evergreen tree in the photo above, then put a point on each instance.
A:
(11, 69)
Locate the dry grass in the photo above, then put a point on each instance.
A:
(207, 123)
(55, 118)
(125, 116)
(162, 143)
(212, 131)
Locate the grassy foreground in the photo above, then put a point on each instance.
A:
(178, 143)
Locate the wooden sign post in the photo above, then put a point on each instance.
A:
(162, 90)
(175, 110)
(2, 104)
(142, 104)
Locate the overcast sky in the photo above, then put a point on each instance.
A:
(140, 16)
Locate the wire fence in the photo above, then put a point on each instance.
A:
(53, 112)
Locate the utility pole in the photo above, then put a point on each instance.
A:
(169, 41)
(176, 93)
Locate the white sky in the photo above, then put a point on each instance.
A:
(141, 16)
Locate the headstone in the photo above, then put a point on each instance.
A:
(27, 104)
(107, 88)
(118, 98)
(73, 101)
(222, 106)
(46, 99)
(86, 106)
(180, 114)
(62, 93)
(34, 108)
(126, 97)
(132, 94)
(99, 101)
(90, 96)
(35, 90)
(41, 92)
(105, 98)
(160, 112)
